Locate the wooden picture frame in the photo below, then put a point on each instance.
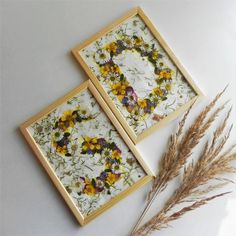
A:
(99, 58)
(42, 132)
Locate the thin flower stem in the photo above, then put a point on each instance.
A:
(145, 210)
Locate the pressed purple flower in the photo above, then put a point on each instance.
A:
(102, 142)
(99, 185)
(103, 175)
(129, 90)
(132, 101)
(125, 100)
(130, 98)
(118, 175)
(148, 108)
(82, 178)
(116, 148)
(89, 151)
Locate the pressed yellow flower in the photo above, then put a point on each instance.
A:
(87, 146)
(138, 41)
(155, 55)
(91, 146)
(142, 103)
(62, 150)
(108, 165)
(115, 69)
(98, 146)
(165, 74)
(104, 70)
(158, 92)
(94, 140)
(90, 143)
(89, 139)
(119, 88)
(112, 47)
(120, 97)
(111, 178)
(67, 120)
(116, 154)
(87, 181)
(89, 190)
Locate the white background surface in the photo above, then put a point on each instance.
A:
(37, 68)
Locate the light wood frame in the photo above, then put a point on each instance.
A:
(137, 138)
(24, 129)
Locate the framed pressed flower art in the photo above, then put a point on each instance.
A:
(137, 74)
(85, 151)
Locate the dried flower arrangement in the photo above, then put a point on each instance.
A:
(199, 177)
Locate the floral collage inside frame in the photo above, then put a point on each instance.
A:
(137, 74)
(86, 152)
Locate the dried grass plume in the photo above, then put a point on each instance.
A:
(200, 177)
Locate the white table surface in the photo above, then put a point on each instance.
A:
(37, 68)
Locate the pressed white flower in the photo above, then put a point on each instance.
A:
(145, 47)
(102, 56)
(138, 113)
(128, 42)
(58, 135)
(113, 77)
(99, 183)
(106, 153)
(84, 112)
(115, 168)
(72, 147)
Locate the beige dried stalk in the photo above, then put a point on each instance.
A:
(180, 149)
(209, 167)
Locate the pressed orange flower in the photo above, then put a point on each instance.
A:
(165, 74)
(89, 190)
(112, 47)
(142, 103)
(104, 70)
